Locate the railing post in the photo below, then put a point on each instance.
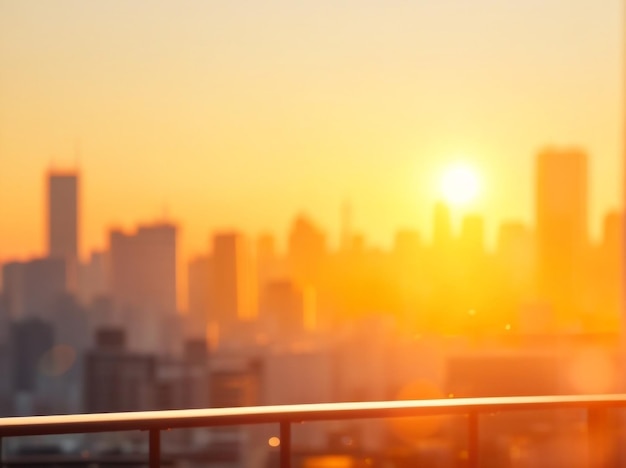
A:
(472, 440)
(602, 434)
(285, 444)
(154, 448)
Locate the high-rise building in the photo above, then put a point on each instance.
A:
(143, 269)
(407, 244)
(32, 288)
(306, 252)
(268, 262)
(143, 282)
(472, 239)
(608, 276)
(442, 224)
(13, 288)
(93, 277)
(199, 294)
(283, 309)
(63, 215)
(116, 379)
(30, 340)
(5, 321)
(561, 222)
(515, 257)
(233, 282)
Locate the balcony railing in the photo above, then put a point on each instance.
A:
(601, 420)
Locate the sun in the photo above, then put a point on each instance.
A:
(460, 184)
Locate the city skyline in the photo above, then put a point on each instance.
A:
(146, 269)
(213, 205)
(459, 210)
(364, 124)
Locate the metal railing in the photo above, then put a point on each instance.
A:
(600, 420)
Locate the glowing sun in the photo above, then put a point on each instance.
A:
(460, 184)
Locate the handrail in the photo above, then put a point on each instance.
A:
(285, 415)
(211, 417)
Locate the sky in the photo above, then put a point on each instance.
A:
(241, 114)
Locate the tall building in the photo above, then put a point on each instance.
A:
(515, 258)
(143, 282)
(32, 288)
(93, 277)
(199, 294)
(13, 288)
(30, 340)
(472, 238)
(268, 262)
(442, 225)
(608, 277)
(143, 269)
(116, 379)
(306, 252)
(233, 280)
(5, 322)
(283, 309)
(63, 215)
(561, 222)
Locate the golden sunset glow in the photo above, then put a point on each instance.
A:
(460, 184)
(245, 206)
(216, 112)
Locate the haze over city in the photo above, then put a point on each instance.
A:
(244, 114)
(319, 208)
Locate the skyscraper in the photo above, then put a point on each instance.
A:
(63, 223)
(233, 283)
(283, 309)
(306, 252)
(199, 294)
(143, 269)
(472, 239)
(561, 221)
(442, 223)
(33, 288)
(63, 215)
(143, 283)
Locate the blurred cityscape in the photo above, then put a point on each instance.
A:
(537, 314)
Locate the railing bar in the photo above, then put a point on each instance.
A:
(285, 444)
(472, 440)
(154, 448)
(86, 423)
(602, 437)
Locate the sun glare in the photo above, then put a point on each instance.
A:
(460, 185)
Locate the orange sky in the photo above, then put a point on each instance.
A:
(245, 113)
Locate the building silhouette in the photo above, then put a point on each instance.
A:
(515, 262)
(442, 228)
(32, 288)
(306, 252)
(63, 221)
(199, 294)
(143, 282)
(30, 340)
(283, 309)
(115, 378)
(13, 289)
(233, 281)
(268, 263)
(561, 223)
